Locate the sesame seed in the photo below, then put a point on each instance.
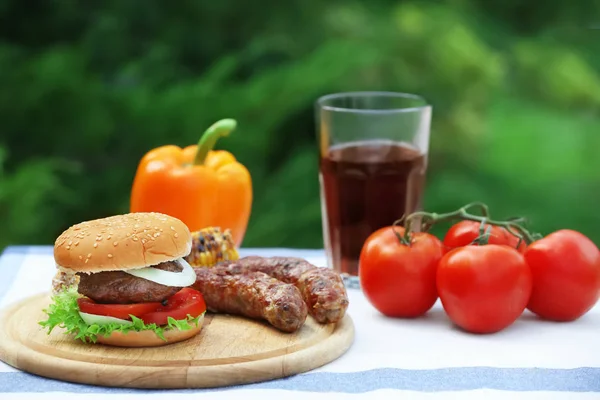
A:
(157, 234)
(95, 244)
(77, 243)
(89, 255)
(172, 228)
(86, 260)
(135, 239)
(68, 247)
(115, 244)
(176, 234)
(108, 237)
(110, 256)
(143, 241)
(70, 242)
(80, 257)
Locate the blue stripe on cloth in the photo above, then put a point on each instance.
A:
(435, 380)
(10, 263)
(284, 252)
(12, 259)
(28, 250)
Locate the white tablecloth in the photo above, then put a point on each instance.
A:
(426, 358)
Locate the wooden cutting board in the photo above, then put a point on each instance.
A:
(229, 350)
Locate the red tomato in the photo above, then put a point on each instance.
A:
(399, 280)
(186, 301)
(484, 289)
(464, 232)
(566, 275)
(121, 311)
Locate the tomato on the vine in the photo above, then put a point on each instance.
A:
(484, 289)
(465, 232)
(400, 280)
(566, 275)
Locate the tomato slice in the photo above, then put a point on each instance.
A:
(121, 311)
(186, 301)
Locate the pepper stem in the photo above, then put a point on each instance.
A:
(209, 138)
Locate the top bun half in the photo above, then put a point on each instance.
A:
(122, 242)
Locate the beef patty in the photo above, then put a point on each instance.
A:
(118, 287)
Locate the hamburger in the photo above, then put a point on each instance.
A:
(123, 281)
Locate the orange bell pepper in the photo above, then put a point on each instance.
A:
(200, 186)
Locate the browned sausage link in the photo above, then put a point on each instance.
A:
(253, 295)
(323, 290)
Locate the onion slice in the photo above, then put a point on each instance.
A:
(184, 278)
(92, 319)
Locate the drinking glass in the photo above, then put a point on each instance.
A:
(373, 151)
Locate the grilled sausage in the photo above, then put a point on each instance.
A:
(322, 289)
(253, 295)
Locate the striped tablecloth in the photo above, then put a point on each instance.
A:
(419, 359)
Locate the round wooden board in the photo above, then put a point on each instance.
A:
(228, 351)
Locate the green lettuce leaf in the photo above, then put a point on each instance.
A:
(64, 313)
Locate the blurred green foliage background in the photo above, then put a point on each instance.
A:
(86, 88)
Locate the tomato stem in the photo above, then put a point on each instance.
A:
(403, 239)
(484, 234)
(512, 225)
(485, 211)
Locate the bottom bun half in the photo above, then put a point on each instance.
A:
(149, 338)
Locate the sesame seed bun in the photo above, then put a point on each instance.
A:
(122, 242)
(149, 338)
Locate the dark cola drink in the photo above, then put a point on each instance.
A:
(366, 186)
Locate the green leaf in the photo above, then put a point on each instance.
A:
(63, 312)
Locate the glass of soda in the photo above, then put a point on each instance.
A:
(373, 149)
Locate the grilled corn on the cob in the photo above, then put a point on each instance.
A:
(210, 246)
